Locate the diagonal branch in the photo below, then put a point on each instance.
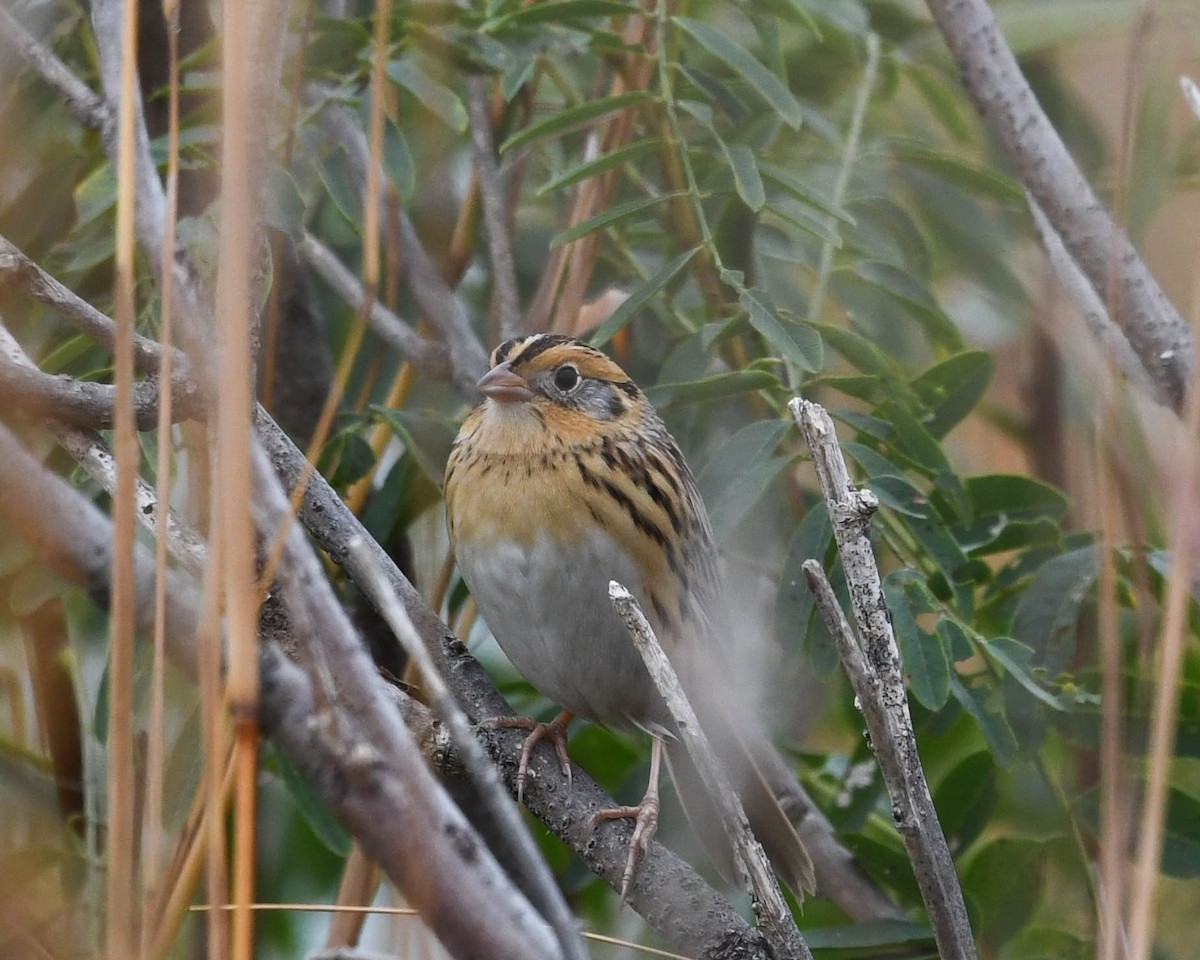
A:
(1001, 94)
(491, 189)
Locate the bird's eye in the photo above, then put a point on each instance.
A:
(566, 378)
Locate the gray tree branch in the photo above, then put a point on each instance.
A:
(491, 190)
(1001, 94)
(876, 674)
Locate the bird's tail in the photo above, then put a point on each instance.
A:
(751, 764)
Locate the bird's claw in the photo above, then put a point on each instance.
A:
(555, 731)
(645, 823)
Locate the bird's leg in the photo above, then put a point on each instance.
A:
(644, 817)
(555, 731)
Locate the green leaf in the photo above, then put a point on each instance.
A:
(313, 809)
(575, 116)
(971, 177)
(1014, 657)
(636, 300)
(794, 604)
(563, 11)
(1010, 512)
(951, 389)
(804, 193)
(427, 437)
(808, 224)
(995, 729)
(435, 97)
(730, 509)
(606, 218)
(398, 162)
(745, 175)
(752, 443)
(284, 210)
(712, 388)
(1049, 608)
(865, 355)
(606, 161)
(911, 438)
(781, 335)
(925, 659)
(740, 61)
(910, 293)
(1005, 879)
(869, 933)
(516, 76)
(965, 798)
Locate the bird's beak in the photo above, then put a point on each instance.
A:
(504, 386)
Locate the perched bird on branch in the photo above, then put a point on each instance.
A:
(563, 479)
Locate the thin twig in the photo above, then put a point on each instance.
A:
(433, 297)
(491, 187)
(750, 860)
(428, 356)
(878, 682)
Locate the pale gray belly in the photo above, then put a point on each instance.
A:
(549, 611)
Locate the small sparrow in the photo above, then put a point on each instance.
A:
(563, 479)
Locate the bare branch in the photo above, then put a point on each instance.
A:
(89, 109)
(433, 297)
(428, 356)
(74, 538)
(879, 684)
(94, 455)
(18, 271)
(530, 865)
(1002, 96)
(491, 189)
(750, 860)
(1091, 307)
(82, 403)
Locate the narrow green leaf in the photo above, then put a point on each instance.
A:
(808, 224)
(754, 442)
(636, 300)
(745, 175)
(925, 659)
(796, 188)
(794, 604)
(563, 11)
(865, 355)
(428, 438)
(952, 388)
(867, 934)
(912, 294)
(607, 218)
(742, 62)
(435, 97)
(1050, 606)
(606, 161)
(284, 210)
(398, 162)
(575, 116)
(312, 808)
(1014, 656)
(730, 510)
(965, 798)
(712, 388)
(779, 334)
(995, 729)
(516, 76)
(970, 176)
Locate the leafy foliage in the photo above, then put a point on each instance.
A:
(796, 200)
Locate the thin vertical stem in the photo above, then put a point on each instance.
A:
(152, 865)
(235, 259)
(120, 937)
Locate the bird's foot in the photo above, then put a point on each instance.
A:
(644, 817)
(555, 732)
